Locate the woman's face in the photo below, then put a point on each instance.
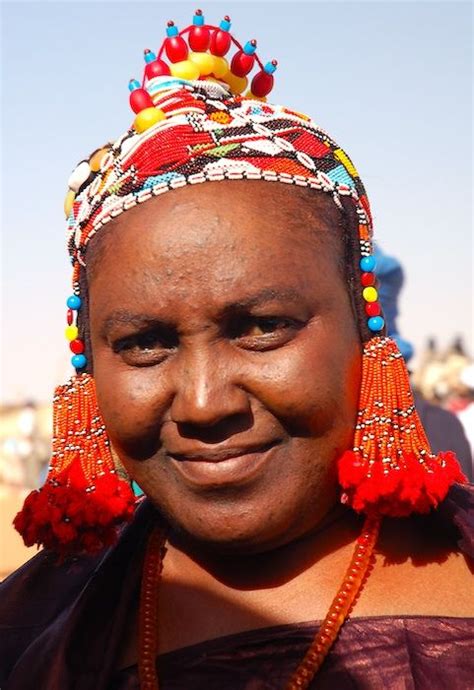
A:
(226, 357)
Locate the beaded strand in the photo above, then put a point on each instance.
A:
(148, 629)
(348, 592)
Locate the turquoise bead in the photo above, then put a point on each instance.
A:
(133, 84)
(250, 47)
(78, 361)
(74, 302)
(136, 489)
(149, 56)
(367, 263)
(376, 323)
(172, 30)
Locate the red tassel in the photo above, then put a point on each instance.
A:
(84, 500)
(391, 470)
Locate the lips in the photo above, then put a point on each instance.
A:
(224, 466)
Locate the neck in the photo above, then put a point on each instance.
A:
(275, 567)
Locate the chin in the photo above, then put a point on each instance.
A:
(226, 526)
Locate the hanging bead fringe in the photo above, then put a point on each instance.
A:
(83, 500)
(391, 470)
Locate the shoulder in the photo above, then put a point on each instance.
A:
(426, 563)
(33, 596)
(48, 608)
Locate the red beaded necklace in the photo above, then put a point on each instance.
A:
(324, 639)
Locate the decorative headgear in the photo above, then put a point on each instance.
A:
(192, 125)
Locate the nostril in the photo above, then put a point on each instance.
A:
(218, 431)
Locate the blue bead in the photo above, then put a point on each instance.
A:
(133, 84)
(149, 56)
(172, 30)
(74, 302)
(198, 20)
(270, 67)
(250, 48)
(376, 323)
(78, 361)
(225, 25)
(367, 263)
(136, 489)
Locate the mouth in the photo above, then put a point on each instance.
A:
(226, 466)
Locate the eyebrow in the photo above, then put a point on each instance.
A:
(137, 320)
(263, 297)
(128, 318)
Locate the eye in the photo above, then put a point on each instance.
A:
(146, 348)
(264, 332)
(265, 325)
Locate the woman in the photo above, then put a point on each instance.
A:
(231, 360)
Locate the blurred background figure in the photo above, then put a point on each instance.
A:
(438, 387)
(466, 413)
(25, 440)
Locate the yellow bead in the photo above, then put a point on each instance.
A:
(249, 94)
(370, 294)
(204, 62)
(68, 202)
(147, 118)
(185, 70)
(71, 332)
(346, 162)
(96, 159)
(221, 66)
(237, 84)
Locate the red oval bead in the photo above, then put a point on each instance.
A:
(373, 309)
(176, 48)
(157, 68)
(367, 279)
(139, 100)
(262, 84)
(199, 39)
(76, 346)
(220, 42)
(242, 64)
(69, 317)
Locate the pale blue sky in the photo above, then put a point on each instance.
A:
(391, 82)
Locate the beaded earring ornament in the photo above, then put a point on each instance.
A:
(84, 499)
(391, 470)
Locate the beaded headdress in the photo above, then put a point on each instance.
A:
(194, 124)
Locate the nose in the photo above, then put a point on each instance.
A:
(207, 391)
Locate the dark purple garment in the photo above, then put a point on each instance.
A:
(376, 653)
(61, 627)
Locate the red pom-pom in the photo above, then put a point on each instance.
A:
(70, 517)
(414, 487)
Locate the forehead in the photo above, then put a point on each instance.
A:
(218, 237)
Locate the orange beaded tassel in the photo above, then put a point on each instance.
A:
(83, 500)
(348, 592)
(391, 470)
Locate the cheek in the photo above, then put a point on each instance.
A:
(312, 384)
(132, 403)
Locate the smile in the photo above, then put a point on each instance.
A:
(220, 467)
